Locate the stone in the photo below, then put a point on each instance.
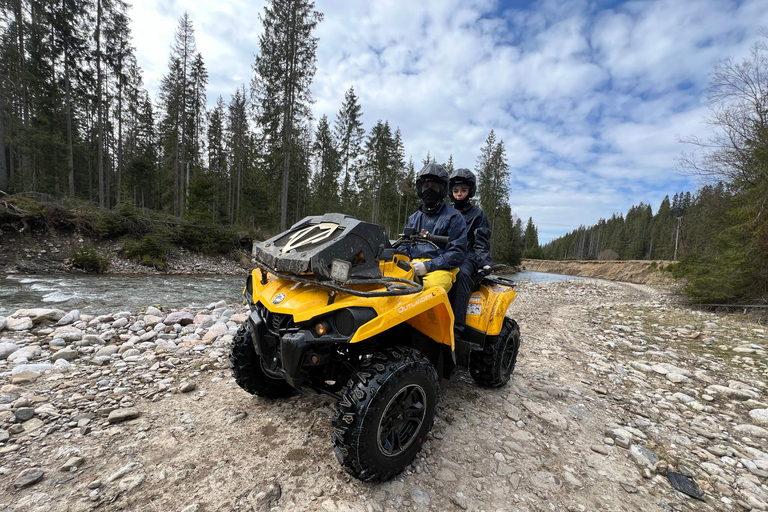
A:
(759, 415)
(187, 386)
(18, 324)
(38, 315)
(28, 477)
(547, 414)
(736, 394)
(572, 480)
(643, 456)
(677, 378)
(68, 333)
(128, 468)
(420, 496)
(2, 323)
(151, 320)
(599, 449)
(24, 377)
(751, 430)
(152, 310)
(24, 413)
(513, 412)
(71, 317)
(179, 317)
(7, 349)
(120, 415)
(66, 353)
(546, 481)
(26, 353)
(265, 496)
(72, 463)
(106, 351)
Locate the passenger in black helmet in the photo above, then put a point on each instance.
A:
(437, 267)
(463, 187)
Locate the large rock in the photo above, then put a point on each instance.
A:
(736, 394)
(179, 317)
(38, 315)
(759, 415)
(66, 353)
(643, 456)
(7, 348)
(19, 324)
(27, 353)
(152, 320)
(2, 323)
(68, 333)
(71, 317)
(751, 430)
(119, 415)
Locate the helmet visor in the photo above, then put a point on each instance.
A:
(434, 185)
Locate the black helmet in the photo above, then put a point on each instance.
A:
(464, 177)
(432, 173)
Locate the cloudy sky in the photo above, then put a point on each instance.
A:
(590, 98)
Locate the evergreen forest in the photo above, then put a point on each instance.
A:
(77, 125)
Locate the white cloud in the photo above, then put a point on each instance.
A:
(589, 101)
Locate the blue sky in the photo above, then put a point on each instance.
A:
(590, 98)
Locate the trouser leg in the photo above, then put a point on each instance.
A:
(461, 293)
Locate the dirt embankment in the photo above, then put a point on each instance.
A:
(632, 271)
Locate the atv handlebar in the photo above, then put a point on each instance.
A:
(410, 235)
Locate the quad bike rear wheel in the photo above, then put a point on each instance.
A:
(385, 413)
(494, 365)
(248, 369)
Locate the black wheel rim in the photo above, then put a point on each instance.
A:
(508, 355)
(402, 420)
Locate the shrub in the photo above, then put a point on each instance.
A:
(151, 251)
(125, 219)
(87, 258)
(207, 238)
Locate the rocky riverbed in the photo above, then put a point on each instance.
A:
(617, 388)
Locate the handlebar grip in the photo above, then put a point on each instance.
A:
(439, 239)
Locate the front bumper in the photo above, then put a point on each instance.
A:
(286, 355)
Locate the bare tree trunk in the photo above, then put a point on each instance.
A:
(3, 167)
(119, 184)
(68, 100)
(99, 120)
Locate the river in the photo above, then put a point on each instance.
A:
(100, 294)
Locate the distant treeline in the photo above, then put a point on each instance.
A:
(77, 123)
(720, 233)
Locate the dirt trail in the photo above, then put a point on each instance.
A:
(592, 394)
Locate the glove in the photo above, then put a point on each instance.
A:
(420, 268)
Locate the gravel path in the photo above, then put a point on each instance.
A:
(615, 388)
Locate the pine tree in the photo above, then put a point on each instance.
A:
(327, 170)
(349, 133)
(284, 69)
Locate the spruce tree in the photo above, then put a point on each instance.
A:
(349, 132)
(283, 72)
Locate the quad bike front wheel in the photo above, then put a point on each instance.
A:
(385, 413)
(248, 369)
(494, 365)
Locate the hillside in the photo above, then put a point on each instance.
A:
(632, 271)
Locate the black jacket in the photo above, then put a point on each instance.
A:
(478, 236)
(446, 221)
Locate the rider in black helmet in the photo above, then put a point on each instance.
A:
(463, 186)
(437, 267)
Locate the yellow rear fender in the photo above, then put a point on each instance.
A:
(504, 297)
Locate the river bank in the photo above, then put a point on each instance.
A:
(616, 387)
(48, 252)
(631, 271)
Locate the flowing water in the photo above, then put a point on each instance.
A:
(98, 294)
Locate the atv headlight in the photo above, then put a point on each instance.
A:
(340, 270)
(349, 320)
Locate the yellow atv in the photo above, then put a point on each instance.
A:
(336, 307)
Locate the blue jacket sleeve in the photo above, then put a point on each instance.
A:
(482, 246)
(456, 248)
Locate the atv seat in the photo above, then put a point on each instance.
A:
(477, 277)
